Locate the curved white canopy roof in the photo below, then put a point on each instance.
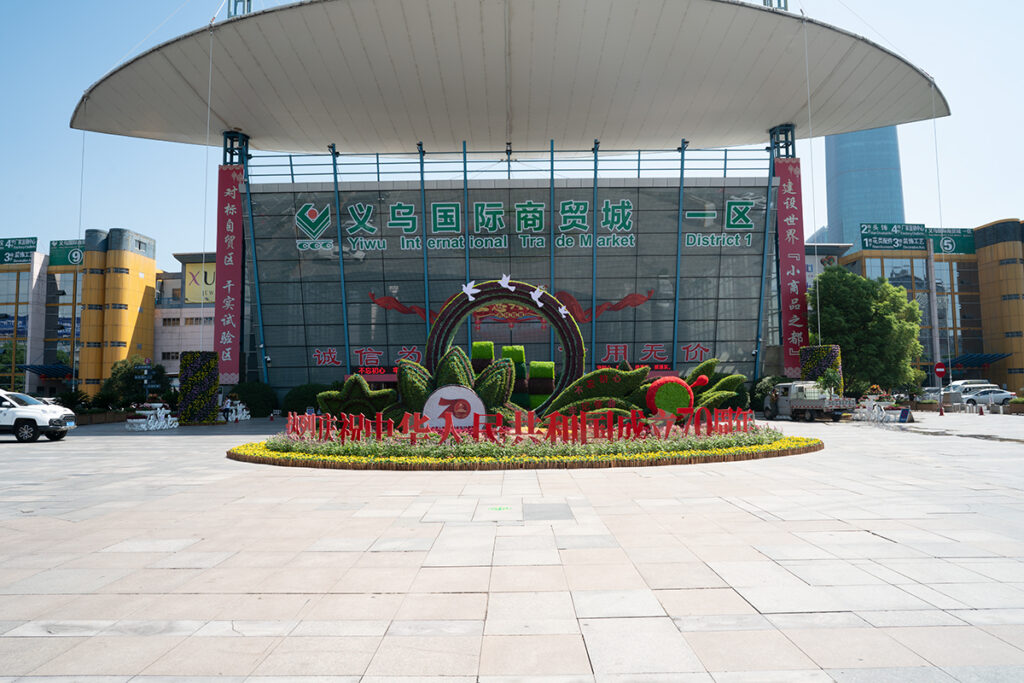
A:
(379, 75)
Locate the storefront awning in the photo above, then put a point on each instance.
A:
(52, 371)
(976, 360)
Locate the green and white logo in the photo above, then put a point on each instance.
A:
(737, 214)
(314, 224)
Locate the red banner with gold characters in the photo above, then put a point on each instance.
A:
(228, 313)
(792, 270)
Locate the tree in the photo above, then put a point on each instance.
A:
(123, 384)
(873, 323)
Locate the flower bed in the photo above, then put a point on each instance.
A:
(400, 455)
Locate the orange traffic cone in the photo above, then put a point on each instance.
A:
(981, 410)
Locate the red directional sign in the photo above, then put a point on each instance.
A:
(940, 370)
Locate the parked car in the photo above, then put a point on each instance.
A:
(971, 389)
(27, 418)
(989, 397)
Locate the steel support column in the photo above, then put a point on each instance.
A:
(423, 213)
(551, 221)
(465, 221)
(341, 259)
(593, 271)
(679, 253)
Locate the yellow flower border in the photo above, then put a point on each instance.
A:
(258, 452)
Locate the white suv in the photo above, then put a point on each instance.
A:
(27, 418)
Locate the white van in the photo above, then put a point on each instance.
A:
(962, 384)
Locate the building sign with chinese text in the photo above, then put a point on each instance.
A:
(914, 237)
(17, 250)
(228, 316)
(200, 283)
(792, 280)
(67, 252)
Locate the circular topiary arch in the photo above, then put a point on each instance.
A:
(473, 296)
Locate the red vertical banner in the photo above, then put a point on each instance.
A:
(792, 270)
(227, 327)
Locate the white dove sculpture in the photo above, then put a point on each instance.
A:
(535, 295)
(504, 282)
(563, 311)
(469, 289)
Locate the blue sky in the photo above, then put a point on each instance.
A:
(51, 52)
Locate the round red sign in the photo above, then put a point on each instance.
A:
(940, 369)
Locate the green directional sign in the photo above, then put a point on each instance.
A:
(915, 237)
(67, 252)
(17, 250)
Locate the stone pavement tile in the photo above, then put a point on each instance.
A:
(570, 678)
(401, 544)
(151, 545)
(725, 552)
(212, 656)
(796, 676)
(37, 560)
(983, 595)
(100, 606)
(101, 560)
(585, 541)
(296, 580)
(793, 551)
(265, 607)
(26, 607)
(373, 607)
(451, 580)
(64, 581)
(376, 580)
(151, 581)
(271, 559)
(333, 544)
(747, 651)
(530, 614)
(874, 597)
(505, 579)
(796, 598)
(372, 559)
(830, 573)
(533, 655)
(392, 679)
(426, 656)
(113, 655)
(60, 629)
(246, 629)
(701, 601)
(932, 596)
(822, 620)
(7, 626)
(916, 674)
(128, 627)
(851, 648)
(927, 617)
(933, 570)
(635, 646)
(675, 553)
(986, 674)
(190, 560)
(352, 627)
(957, 646)
(225, 580)
(680, 575)
(1000, 569)
(443, 606)
(586, 577)
(527, 557)
(765, 573)
(625, 603)
(1014, 635)
(458, 557)
(723, 622)
(985, 617)
(437, 627)
(594, 556)
(164, 607)
(19, 656)
(318, 656)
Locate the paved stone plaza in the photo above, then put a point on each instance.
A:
(891, 555)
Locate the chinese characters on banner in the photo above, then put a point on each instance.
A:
(228, 313)
(792, 277)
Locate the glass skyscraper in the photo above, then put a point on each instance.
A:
(864, 182)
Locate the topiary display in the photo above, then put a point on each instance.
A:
(714, 399)
(815, 360)
(604, 383)
(414, 385)
(482, 354)
(599, 405)
(454, 368)
(356, 398)
(728, 383)
(494, 384)
(705, 368)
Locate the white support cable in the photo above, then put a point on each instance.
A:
(148, 35)
(810, 145)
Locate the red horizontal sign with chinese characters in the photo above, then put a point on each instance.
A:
(228, 316)
(792, 269)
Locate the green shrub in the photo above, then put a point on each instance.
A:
(540, 369)
(494, 384)
(705, 368)
(454, 368)
(728, 383)
(604, 383)
(741, 400)
(104, 400)
(517, 354)
(1016, 401)
(414, 385)
(482, 350)
(74, 400)
(258, 397)
(355, 397)
(301, 397)
(764, 387)
(714, 399)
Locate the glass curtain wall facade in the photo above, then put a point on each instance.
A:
(15, 286)
(530, 230)
(864, 183)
